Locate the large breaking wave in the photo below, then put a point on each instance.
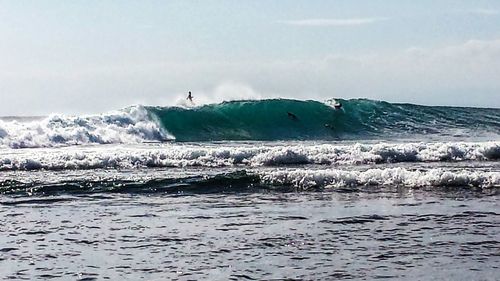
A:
(274, 119)
(358, 118)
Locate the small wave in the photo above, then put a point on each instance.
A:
(256, 181)
(336, 178)
(219, 183)
(252, 155)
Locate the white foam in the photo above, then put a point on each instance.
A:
(234, 154)
(129, 125)
(337, 178)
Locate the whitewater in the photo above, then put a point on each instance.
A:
(212, 191)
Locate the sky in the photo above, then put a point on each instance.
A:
(86, 56)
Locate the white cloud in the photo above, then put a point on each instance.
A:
(333, 22)
(486, 12)
(476, 12)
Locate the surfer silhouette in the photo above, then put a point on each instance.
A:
(190, 97)
(338, 105)
(292, 116)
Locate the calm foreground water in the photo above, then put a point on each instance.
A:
(349, 233)
(419, 209)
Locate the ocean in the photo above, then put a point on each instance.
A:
(273, 189)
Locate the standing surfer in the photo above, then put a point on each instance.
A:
(190, 97)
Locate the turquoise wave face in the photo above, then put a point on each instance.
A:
(283, 119)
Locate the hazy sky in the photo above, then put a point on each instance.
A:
(93, 56)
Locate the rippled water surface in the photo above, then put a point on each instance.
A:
(399, 210)
(348, 233)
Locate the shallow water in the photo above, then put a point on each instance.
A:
(309, 210)
(368, 233)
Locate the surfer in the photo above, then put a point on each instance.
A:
(190, 97)
(337, 105)
(292, 116)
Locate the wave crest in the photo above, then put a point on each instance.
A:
(337, 178)
(129, 125)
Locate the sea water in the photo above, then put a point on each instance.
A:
(241, 191)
